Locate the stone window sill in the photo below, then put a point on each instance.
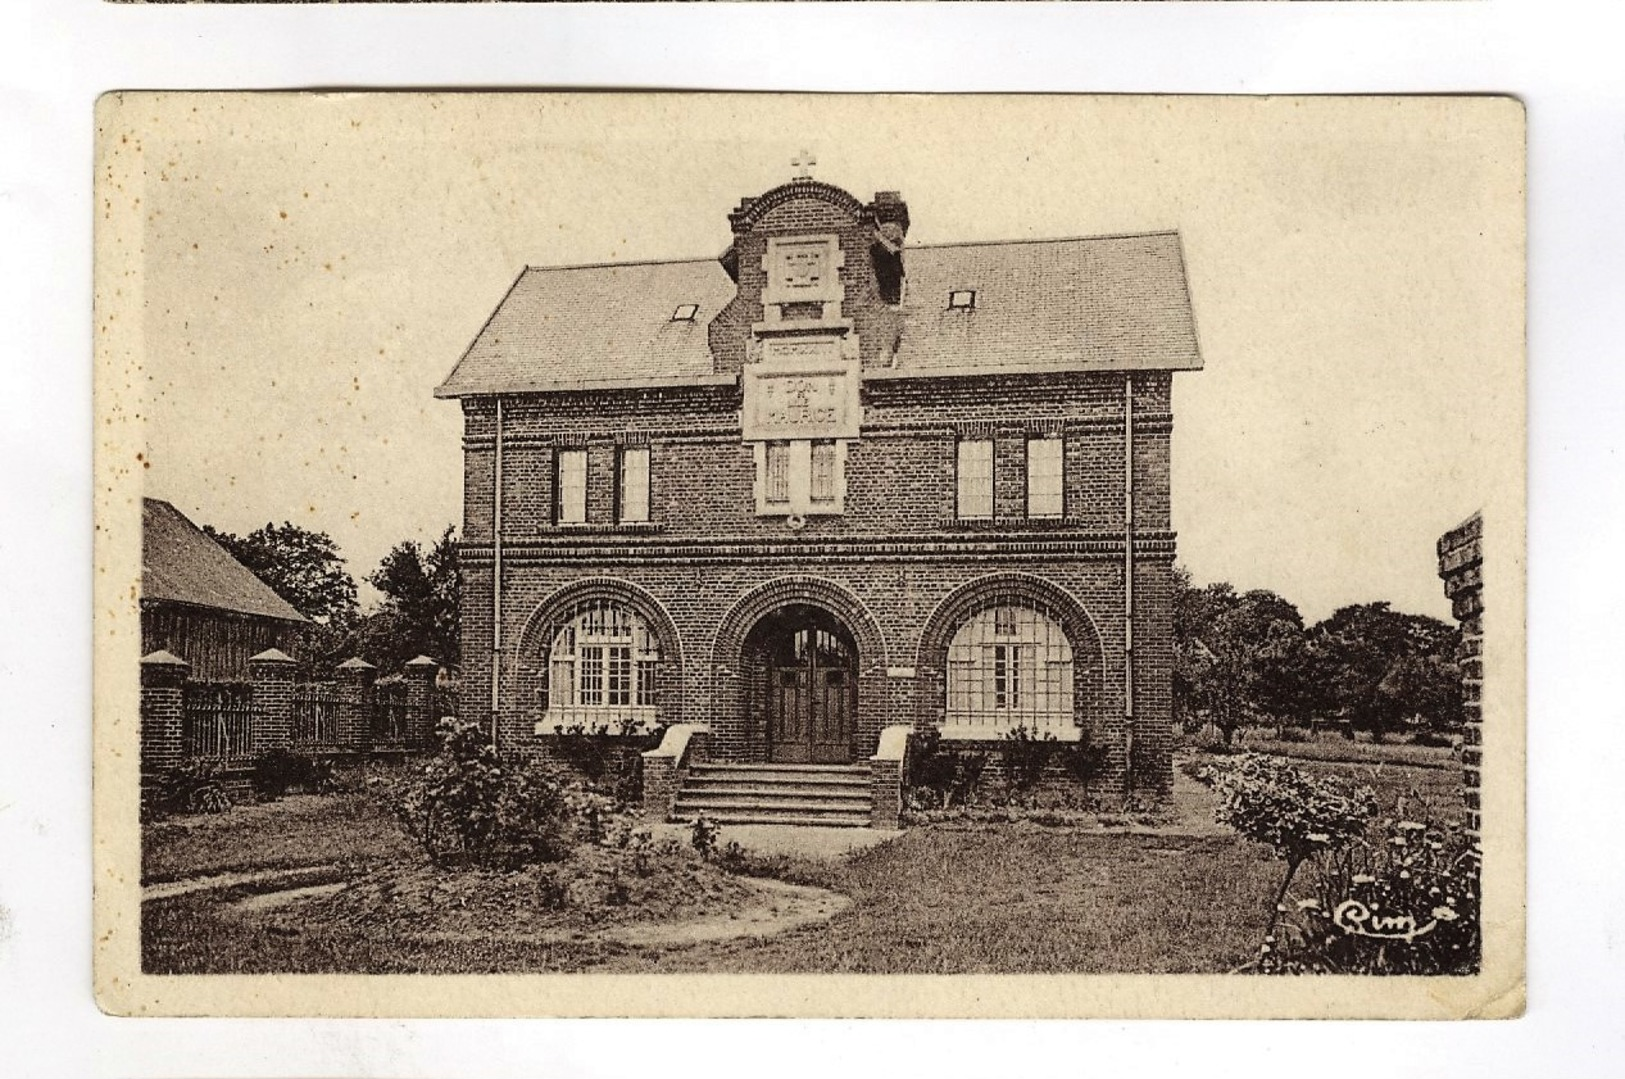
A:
(992, 732)
(606, 526)
(630, 719)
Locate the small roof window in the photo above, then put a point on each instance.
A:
(685, 312)
(962, 299)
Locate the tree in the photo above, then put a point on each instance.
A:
(302, 566)
(1236, 656)
(419, 614)
(1383, 669)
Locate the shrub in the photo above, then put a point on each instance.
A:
(937, 778)
(1085, 761)
(192, 786)
(1025, 755)
(1405, 903)
(279, 771)
(467, 804)
(703, 836)
(1294, 734)
(588, 750)
(1297, 815)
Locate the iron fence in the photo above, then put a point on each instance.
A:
(315, 714)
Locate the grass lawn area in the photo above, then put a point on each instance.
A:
(1342, 750)
(1014, 898)
(299, 830)
(1412, 782)
(949, 898)
(1022, 899)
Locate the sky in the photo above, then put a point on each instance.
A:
(313, 265)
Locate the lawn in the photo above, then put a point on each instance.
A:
(350, 829)
(950, 898)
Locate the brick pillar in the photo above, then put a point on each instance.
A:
(353, 685)
(1461, 564)
(420, 718)
(163, 682)
(271, 674)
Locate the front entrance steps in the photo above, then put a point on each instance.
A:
(831, 795)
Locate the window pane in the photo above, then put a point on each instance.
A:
(646, 682)
(778, 472)
(572, 486)
(590, 674)
(976, 478)
(619, 675)
(1045, 458)
(823, 472)
(635, 484)
(1010, 666)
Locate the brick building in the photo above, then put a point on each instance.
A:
(827, 484)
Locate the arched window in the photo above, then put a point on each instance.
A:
(601, 668)
(1011, 666)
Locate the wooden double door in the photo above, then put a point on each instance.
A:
(808, 664)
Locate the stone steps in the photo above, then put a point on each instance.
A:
(828, 795)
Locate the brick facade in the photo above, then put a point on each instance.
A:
(898, 568)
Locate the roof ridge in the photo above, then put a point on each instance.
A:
(1045, 240)
(617, 265)
(700, 259)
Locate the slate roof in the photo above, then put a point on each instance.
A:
(1091, 303)
(180, 564)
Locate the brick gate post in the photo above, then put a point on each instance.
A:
(1461, 566)
(420, 718)
(163, 682)
(353, 688)
(271, 675)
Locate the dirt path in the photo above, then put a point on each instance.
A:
(217, 881)
(778, 907)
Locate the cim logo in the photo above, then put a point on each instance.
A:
(1353, 916)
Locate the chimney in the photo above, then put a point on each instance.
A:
(890, 215)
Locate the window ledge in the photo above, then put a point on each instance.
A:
(630, 719)
(607, 526)
(1035, 524)
(990, 732)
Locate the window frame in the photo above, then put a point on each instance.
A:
(1010, 665)
(961, 478)
(624, 504)
(563, 463)
(603, 667)
(798, 457)
(1058, 476)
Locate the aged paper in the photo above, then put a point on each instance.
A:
(283, 281)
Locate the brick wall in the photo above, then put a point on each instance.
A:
(1461, 565)
(900, 472)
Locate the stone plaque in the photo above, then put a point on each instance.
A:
(794, 399)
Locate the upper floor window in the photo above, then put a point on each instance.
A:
(1045, 472)
(801, 476)
(570, 485)
(634, 490)
(975, 475)
(822, 485)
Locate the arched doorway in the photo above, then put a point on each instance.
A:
(802, 664)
